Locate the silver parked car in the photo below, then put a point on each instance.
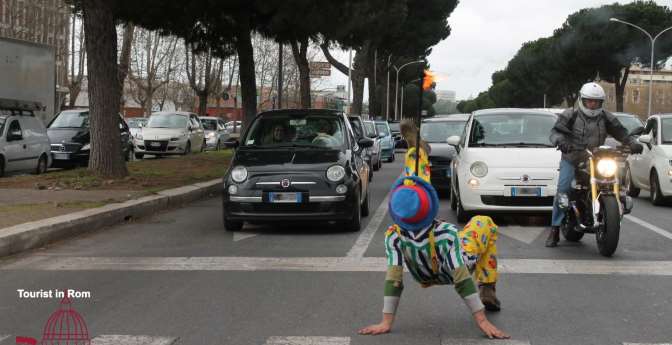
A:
(24, 144)
(215, 133)
(170, 133)
(135, 123)
(372, 133)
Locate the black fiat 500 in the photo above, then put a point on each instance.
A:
(297, 165)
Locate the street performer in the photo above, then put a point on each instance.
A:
(437, 253)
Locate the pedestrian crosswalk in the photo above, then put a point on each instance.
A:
(120, 339)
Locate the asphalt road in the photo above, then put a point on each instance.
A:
(179, 278)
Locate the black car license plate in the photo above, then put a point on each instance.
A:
(525, 191)
(284, 197)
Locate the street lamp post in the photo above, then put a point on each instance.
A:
(396, 88)
(653, 43)
(387, 94)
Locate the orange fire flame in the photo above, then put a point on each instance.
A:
(428, 80)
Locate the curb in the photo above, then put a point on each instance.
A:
(36, 234)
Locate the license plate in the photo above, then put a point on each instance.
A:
(61, 156)
(284, 197)
(155, 144)
(525, 191)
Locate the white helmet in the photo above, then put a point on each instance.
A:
(591, 91)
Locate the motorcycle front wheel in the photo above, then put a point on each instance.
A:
(609, 231)
(568, 228)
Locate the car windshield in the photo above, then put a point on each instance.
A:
(370, 129)
(630, 122)
(296, 130)
(137, 123)
(666, 131)
(71, 119)
(382, 128)
(439, 131)
(394, 126)
(511, 130)
(167, 121)
(209, 124)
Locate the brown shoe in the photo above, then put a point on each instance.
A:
(488, 297)
(553, 237)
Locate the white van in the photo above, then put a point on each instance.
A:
(24, 144)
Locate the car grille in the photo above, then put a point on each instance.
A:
(526, 201)
(69, 148)
(163, 145)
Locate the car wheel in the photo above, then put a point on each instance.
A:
(219, 146)
(355, 224)
(41, 165)
(657, 197)
(139, 155)
(453, 198)
(129, 154)
(629, 186)
(365, 205)
(2, 166)
(462, 215)
(187, 149)
(203, 146)
(376, 167)
(232, 225)
(370, 173)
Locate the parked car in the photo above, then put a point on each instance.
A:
(372, 133)
(135, 123)
(367, 153)
(399, 142)
(214, 130)
(170, 133)
(386, 141)
(24, 143)
(505, 162)
(436, 131)
(297, 165)
(70, 138)
(652, 169)
(635, 127)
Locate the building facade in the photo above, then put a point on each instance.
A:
(636, 93)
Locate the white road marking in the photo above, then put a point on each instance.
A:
(482, 341)
(117, 339)
(322, 264)
(239, 236)
(525, 234)
(647, 344)
(3, 337)
(308, 341)
(365, 238)
(649, 226)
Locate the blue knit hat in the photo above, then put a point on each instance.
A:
(413, 204)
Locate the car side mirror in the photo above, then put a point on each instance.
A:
(645, 139)
(637, 131)
(14, 136)
(454, 140)
(365, 142)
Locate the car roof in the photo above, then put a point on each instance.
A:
(495, 111)
(209, 118)
(664, 115)
(444, 118)
(302, 111)
(624, 114)
(183, 113)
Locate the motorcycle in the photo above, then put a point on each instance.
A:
(596, 204)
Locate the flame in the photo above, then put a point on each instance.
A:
(428, 80)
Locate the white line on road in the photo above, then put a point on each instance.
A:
(323, 264)
(117, 339)
(647, 344)
(649, 226)
(239, 236)
(3, 337)
(308, 341)
(483, 341)
(365, 238)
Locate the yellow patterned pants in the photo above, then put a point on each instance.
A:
(478, 238)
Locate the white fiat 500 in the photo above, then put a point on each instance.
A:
(505, 162)
(652, 170)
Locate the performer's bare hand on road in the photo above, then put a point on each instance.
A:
(488, 328)
(376, 329)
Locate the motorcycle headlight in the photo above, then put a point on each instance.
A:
(239, 174)
(479, 169)
(335, 173)
(607, 167)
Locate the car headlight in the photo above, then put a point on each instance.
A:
(138, 136)
(607, 167)
(86, 147)
(239, 174)
(211, 135)
(479, 169)
(335, 173)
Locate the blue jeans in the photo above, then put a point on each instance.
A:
(564, 186)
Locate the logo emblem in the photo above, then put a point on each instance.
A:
(525, 178)
(285, 183)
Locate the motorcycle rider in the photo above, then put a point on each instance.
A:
(576, 129)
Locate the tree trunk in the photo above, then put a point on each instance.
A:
(358, 74)
(203, 103)
(124, 60)
(300, 52)
(620, 88)
(106, 159)
(248, 81)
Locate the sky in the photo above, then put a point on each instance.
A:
(486, 34)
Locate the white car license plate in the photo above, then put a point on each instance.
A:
(155, 144)
(284, 197)
(61, 156)
(525, 191)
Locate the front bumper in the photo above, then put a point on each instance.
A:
(441, 176)
(164, 147)
(387, 153)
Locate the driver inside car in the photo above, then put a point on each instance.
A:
(577, 130)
